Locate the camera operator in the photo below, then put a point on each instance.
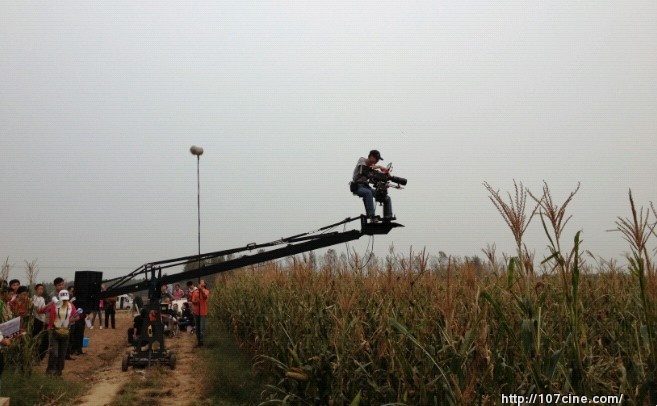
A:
(134, 332)
(361, 187)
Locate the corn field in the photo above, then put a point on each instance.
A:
(407, 330)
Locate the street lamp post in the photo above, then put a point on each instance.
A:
(198, 151)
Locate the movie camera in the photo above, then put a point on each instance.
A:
(382, 181)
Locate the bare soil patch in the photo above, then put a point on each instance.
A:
(98, 366)
(181, 386)
(101, 368)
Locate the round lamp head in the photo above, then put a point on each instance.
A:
(198, 151)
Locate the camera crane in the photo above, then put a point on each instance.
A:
(150, 348)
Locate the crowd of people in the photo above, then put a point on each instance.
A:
(180, 310)
(53, 320)
(58, 316)
(58, 324)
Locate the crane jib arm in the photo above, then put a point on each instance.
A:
(295, 245)
(291, 249)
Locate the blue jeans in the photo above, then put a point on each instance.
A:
(367, 193)
(200, 328)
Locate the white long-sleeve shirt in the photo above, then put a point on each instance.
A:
(39, 304)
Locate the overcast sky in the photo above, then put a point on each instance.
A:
(100, 102)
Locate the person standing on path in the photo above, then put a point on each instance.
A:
(91, 316)
(110, 311)
(200, 297)
(39, 323)
(62, 316)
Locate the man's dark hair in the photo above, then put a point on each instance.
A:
(190, 283)
(11, 282)
(58, 280)
(21, 289)
(37, 286)
(376, 154)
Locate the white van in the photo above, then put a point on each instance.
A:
(124, 302)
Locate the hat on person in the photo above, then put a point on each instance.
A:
(376, 154)
(63, 295)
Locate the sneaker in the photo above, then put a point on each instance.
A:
(91, 328)
(101, 327)
(373, 220)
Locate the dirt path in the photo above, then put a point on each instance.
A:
(105, 390)
(184, 382)
(101, 367)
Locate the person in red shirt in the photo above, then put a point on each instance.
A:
(178, 293)
(62, 316)
(199, 299)
(14, 284)
(19, 304)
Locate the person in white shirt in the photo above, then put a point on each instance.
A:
(40, 322)
(62, 316)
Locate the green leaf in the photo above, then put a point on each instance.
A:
(511, 271)
(545, 229)
(551, 367)
(645, 336)
(555, 254)
(527, 336)
(356, 400)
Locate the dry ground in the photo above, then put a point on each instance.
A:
(100, 367)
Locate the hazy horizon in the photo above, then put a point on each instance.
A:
(101, 102)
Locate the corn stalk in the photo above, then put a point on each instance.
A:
(637, 231)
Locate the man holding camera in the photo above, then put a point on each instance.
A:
(360, 185)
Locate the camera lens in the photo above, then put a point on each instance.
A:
(401, 181)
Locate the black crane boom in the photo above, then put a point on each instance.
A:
(296, 244)
(150, 346)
